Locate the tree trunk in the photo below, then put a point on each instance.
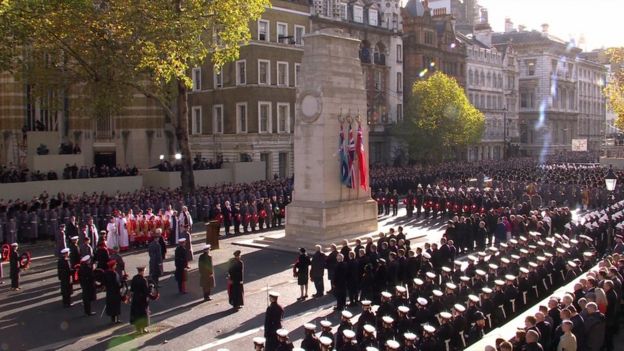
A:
(182, 134)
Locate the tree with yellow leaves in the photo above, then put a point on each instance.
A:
(439, 120)
(110, 49)
(614, 91)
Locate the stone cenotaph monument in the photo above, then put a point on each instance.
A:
(331, 91)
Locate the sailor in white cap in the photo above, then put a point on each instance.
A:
(283, 343)
(387, 330)
(428, 341)
(366, 317)
(392, 345)
(310, 341)
(348, 343)
(367, 338)
(326, 332)
(258, 342)
(87, 284)
(345, 324)
(181, 265)
(65, 273)
(273, 320)
(326, 343)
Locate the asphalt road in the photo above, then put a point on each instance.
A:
(34, 319)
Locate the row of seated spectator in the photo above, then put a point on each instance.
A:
(12, 174)
(199, 163)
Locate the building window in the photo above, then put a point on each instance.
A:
(343, 11)
(373, 18)
(263, 30)
(428, 38)
(358, 14)
(241, 72)
(241, 117)
(196, 79)
(378, 81)
(218, 79)
(399, 112)
(282, 74)
(264, 71)
(282, 33)
(399, 53)
(217, 119)
(196, 120)
(297, 73)
(283, 118)
(264, 117)
(399, 82)
(530, 66)
(299, 33)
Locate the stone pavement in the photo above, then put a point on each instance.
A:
(34, 319)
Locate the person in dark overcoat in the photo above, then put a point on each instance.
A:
(235, 276)
(139, 306)
(339, 283)
(113, 283)
(301, 272)
(14, 267)
(87, 284)
(317, 271)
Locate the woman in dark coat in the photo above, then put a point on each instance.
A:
(139, 307)
(235, 276)
(301, 270)
(112, 281)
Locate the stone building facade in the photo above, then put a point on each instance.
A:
(553, 109)
(246, 110)
(492, 87)
(136, 136)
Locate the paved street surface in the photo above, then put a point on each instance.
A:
(34, 318)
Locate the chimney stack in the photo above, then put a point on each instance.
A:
(545, 28)
(508, 25)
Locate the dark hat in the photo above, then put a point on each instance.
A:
(237, 253)
(479, 315)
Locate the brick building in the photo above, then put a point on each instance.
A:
(430, 44)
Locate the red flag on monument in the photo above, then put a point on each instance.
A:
(359, 149)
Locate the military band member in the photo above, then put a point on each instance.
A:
(87, 284)
(65, 274)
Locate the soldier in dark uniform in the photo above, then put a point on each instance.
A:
(477, 331)
(236, 218)
(326, 332)
(409, 203)
(387, 200)
(283, 343)
(387, 330)
(345, 324)
(310, 342)
(512, 298)
(14, 267)
(181, 265)
(272, 321)
(445, 332)
(394, 202)
(87, 284)
(65, 273)
(428, 340)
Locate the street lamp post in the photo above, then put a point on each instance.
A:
(610, 179)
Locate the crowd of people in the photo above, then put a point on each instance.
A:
(12, 174)
(103, 171)
(425, 298)
(199, 163)
(240, 208)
